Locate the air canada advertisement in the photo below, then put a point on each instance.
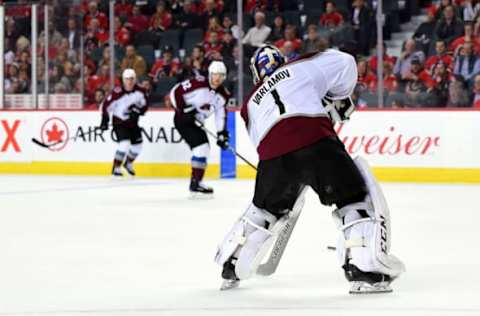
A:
(386, 138)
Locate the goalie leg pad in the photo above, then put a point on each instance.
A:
(365, 230)
(246, 241)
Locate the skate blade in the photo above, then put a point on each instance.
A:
(200, 196)
(360, 287)
(229, 285)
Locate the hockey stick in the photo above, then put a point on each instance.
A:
(44, 145)
(284, 231)
(200, 124)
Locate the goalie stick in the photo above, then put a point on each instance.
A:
(283, 231)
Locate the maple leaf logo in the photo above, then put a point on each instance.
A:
(54, 134)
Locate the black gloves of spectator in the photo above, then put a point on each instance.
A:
(222, 139)
(104, 124)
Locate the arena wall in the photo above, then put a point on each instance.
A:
(407, 146)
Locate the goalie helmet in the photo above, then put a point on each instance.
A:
(265, 61)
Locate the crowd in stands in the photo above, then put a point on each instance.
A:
(438, 67)
(167, 41)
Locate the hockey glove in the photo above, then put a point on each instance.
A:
(104, 124)
(135, 112)
(222, 139)
(338, 110)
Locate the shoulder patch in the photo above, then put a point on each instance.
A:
(117, 89)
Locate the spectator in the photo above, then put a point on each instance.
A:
(94, 13)
(331, 18)
(372, 62)
(313, 42)
(228, 43)
(390, 83)
(54, 36)
(470, 8)
(257, 34)
(72, 33)
(441, 55)
(404, 62)
(167, 66)
(467, 63)
(146, 83)
(476, 92)
(209, 11)
(440, 9)
(290, 35)
(161, 19)
(467, 37)
(213, 26)
(11, 29)
(425, 31)
(366, 79)
(105, 61)
(449, 27)
(229, 26)
(457, 93)
(97, 100)
(187, 19)
(288, 51)
(438, 93)
(415, 93)
(122, 34)
(278, 29)
(417, 73)
(199, 62)
(213, 47)
(134, 61)
(137, 22)
(103, 74)
(123, 8)
(101, 35)
(362, 21)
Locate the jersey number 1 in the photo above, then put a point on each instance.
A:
(279, 102)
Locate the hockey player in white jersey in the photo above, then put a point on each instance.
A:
(194, 101)
(290, 116)
(125, 104)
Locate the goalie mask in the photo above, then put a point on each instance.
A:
(265, 61)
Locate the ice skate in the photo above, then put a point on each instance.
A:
(116, 172)
(230, 280)
(198, 190)
(367, 282)
(363, 287)
(129, 168)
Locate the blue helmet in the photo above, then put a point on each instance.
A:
(265, 61)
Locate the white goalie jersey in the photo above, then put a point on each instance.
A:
(285, 111)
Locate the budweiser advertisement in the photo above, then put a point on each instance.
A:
(434, 139)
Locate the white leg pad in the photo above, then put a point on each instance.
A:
(366, 240)
(248, 240)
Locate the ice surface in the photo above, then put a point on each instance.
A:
(99, 246)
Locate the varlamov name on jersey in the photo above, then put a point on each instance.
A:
(270, 83)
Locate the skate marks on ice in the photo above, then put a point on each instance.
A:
(150, 252)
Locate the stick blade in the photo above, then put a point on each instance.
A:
(39, 143)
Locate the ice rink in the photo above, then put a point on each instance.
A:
(99, 246)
